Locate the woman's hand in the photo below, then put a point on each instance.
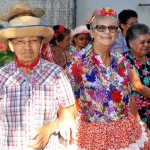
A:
(67, 125)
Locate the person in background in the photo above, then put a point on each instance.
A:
(57, 49)
(36, 99)
(126, 18)
(107, 114)
(80, 38)
(138, 58)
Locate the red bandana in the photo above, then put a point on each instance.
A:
(19, 64)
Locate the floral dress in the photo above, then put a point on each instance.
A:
(102, 98)
(120, 44)
(143, 71)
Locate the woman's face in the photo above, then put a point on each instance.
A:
(81, 40)
(104, 32)
(129, 23)
(141, 45)
(65, 43)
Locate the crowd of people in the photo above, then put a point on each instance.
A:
(75, 89)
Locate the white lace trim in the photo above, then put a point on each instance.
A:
(139, 143)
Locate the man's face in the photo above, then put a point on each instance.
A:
(27, 49)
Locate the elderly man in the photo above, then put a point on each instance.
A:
(35, 96)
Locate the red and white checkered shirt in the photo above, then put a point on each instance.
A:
(27, 103)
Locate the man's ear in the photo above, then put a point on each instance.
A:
(10, 46)
(41, 45)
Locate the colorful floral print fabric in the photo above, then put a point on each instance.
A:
(102, 93)
(120, 44)
(143, 71)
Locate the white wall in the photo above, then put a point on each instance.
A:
(85, 8)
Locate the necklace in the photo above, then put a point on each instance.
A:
(60, 58)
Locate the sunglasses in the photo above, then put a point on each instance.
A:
(102, 28)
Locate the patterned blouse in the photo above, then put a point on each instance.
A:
(120, 44)
(143, 71)
(102, 94)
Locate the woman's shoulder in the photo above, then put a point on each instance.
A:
(79, 54)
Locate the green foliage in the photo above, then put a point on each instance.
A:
(5, 57)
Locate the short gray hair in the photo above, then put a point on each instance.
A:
(135, 31)
(100, 17)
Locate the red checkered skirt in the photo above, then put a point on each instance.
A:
(127, 133)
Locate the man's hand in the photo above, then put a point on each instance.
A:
(40, 137)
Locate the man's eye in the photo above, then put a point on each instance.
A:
(34, 41)
(20, 41)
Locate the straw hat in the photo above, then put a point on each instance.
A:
(79, 30)
(25, 26)
(21, 8)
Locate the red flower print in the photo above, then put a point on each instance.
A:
(121, 72)
(124, 111)
(126, 81)
(91, 93)
(87, 103)
(77, 71)
(115, 96)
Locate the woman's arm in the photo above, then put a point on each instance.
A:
(72, 109)
(133, 108)
(138, 86)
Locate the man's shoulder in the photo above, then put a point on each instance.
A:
(49, 67)
(8, 67)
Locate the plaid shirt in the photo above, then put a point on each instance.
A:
(47, 53)
(27, 103)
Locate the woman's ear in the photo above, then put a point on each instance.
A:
(91, 33)
(131, 43)
(75, 40)
(57, 43)
(122, 26)
(10, 46)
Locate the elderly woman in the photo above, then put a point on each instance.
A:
(80, 38)
(138, 58)
(107, 113)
